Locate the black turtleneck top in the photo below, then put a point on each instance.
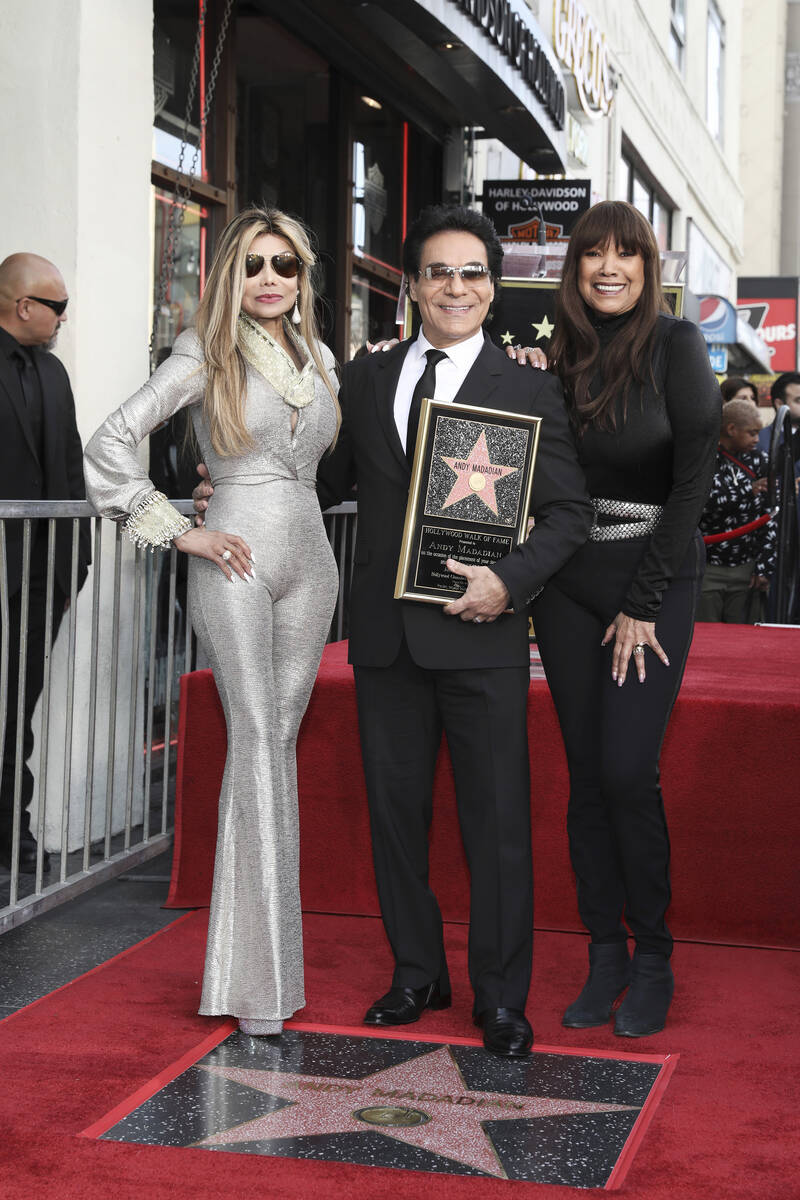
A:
(663, 450)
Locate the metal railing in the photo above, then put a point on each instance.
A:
(105, 731)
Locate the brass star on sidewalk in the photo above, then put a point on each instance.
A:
(423, 1102)
(544, 328)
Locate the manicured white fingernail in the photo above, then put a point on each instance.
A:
(252, 557)
(252, 573)
(232, 577)
(385, 348)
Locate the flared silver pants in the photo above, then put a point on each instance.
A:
(264, 641)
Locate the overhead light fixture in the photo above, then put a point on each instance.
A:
(371, 103)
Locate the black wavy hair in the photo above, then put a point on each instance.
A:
(441, 218)
(778, 389)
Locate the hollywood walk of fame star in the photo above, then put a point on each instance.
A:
(544, 328)
(423, 1102)
(476, 475)
(506, 338)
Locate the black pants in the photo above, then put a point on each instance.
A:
(34, 679)
(402, 710)
(617, 829)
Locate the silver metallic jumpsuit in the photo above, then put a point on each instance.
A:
(263, 640)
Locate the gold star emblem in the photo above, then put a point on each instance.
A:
(507, 338)
(544, 328)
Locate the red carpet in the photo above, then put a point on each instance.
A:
(729, 769)
(726, 1128)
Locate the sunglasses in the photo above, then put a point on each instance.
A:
(58, 306)
(286, 265)
(471, 273)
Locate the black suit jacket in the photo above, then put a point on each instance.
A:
(369, 453)
(58, 476)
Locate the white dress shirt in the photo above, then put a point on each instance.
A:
(450, 374)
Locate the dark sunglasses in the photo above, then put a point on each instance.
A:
(286, 265)
(58, 306)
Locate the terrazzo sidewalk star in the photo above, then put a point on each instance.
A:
(423, 1102)
(378, 1101)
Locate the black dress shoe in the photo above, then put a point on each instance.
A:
(403, 1005)
(506, 1031)
(27, 854)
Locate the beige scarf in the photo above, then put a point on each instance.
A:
(271, 360)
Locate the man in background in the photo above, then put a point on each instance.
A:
(785, 390)
(40, 459)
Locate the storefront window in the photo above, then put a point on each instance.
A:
(661, 224)
(373, 312)
(174, 41)
(189, 270)
(640, 197)
(715, 70)
(378, 189)
(677, 33)
(637, 189)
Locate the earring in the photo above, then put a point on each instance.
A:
(296, 312)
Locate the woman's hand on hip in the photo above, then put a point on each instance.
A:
(229, 552)
(635, 638)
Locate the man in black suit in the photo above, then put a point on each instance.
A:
(420, 669)
(40, 459)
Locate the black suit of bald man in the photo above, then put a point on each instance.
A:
(40, 459)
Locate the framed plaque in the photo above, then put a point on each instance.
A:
(470, 495)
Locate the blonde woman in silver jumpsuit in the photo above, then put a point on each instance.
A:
(261, 390)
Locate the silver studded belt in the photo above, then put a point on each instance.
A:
(616, 520)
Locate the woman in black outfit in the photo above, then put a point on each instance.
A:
(646, 412)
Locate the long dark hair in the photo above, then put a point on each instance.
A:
(575, 350)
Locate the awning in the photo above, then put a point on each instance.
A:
(733, 345)
(467, 62)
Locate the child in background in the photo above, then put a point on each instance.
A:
(738, 570)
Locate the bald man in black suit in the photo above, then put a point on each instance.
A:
(40, 459)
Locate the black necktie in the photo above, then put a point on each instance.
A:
(426, 386)
(31, 394)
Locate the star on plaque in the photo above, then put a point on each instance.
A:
(544, 328)
(507, 338)
(423, 1102)
(476, 475)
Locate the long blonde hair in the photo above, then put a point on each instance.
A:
(218, 315)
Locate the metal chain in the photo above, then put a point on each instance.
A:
(183, 186)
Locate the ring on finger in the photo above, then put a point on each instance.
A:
(477, 620)
(639, 648)
(226, 555)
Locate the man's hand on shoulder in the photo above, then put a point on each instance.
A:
(528, 355)
(202, 494)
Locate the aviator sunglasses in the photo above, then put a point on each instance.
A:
(286, 265)
(471, 273)
(58, 306)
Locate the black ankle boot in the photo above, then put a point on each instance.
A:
(644, 1009)
(609, 974)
